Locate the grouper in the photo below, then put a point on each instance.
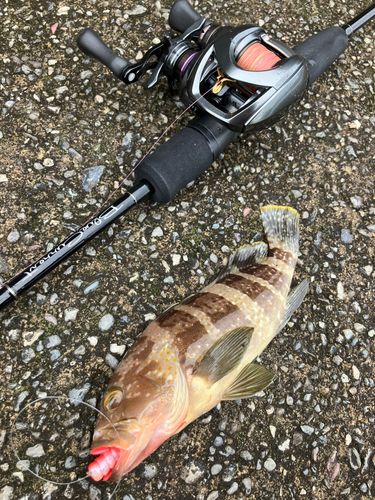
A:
(201, 351)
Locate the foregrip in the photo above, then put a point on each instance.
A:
(184, 157)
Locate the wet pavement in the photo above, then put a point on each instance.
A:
(69, 133)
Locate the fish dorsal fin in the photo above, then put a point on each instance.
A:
(293, 301)
(225, 355)
(243, 257)
(252, 379)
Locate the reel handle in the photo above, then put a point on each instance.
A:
(93, 46)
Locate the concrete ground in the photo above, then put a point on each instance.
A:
(311, 434)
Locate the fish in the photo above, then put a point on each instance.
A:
(201, 351)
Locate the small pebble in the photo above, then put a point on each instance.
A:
(215, 469)
(23, 465)
(106, 322)
(346, 237)
(52, 341)
(111, 361)
(218, 441)
(13, 236)
(150, 471)
(91, 177)
(157, 232)
(35, 451)
(90, 288)
(356, 201)
(79, 393)
(213, 495)
(117, 349)
(247, 485)
(80, 351)
(307, 429)
(54, 354)
(50, 318)
(354, 459)
(233, 489)
(27, 355)
(356, 373)
(90, 251)
(20, 399)
(345, 378)
(71, 462)
(358, 327)
(192, 473)
(270, 464)
(71, 314)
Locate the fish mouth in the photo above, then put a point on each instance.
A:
(111, 453)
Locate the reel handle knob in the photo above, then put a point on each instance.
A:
(182, 16)
(93, 46)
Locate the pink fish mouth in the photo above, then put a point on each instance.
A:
(104, 464)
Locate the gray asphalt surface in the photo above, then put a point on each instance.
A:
(311, 434)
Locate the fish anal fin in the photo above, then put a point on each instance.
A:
(225, 355)
(293, 301)
(252, 379)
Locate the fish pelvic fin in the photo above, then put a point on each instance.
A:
(225, 355)
(252, 379)
(281, 225)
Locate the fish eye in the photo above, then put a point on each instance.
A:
(112, 398)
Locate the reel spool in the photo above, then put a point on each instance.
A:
(263, 77)
(258, 58)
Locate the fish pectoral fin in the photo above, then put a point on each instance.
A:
(180, 403)
(293, 301)
(252, 379)
(225, 355)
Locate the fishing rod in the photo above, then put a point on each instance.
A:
(236, 78)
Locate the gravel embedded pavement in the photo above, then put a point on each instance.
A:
(69, 133)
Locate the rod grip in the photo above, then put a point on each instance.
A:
(93, 46)
(184, 157)
(321, 50)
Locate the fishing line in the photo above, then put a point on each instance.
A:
(72, 402)
(119, 186)
(147, 153)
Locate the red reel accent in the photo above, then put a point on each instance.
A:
(257, 58)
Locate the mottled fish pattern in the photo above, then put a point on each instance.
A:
(200, 351)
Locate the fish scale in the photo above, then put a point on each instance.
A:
(201, 351)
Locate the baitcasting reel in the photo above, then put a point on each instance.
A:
(243, 79)
(255, 78)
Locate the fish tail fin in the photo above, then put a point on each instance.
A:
(281, 225)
